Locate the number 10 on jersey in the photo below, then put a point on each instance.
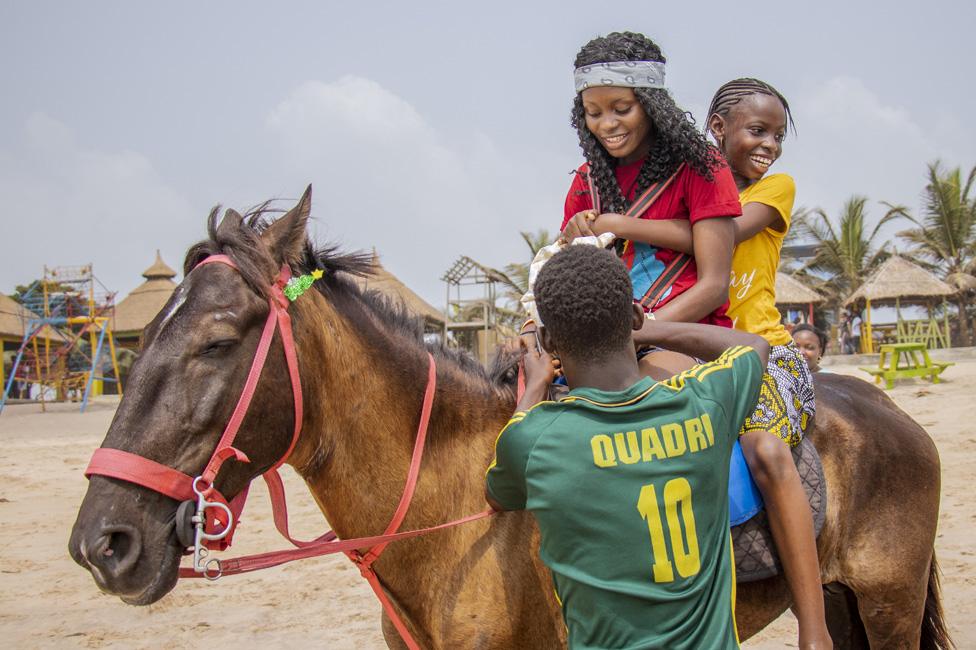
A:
(677, 500)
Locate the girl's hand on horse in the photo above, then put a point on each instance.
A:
(578, 226)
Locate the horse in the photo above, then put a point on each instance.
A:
(363, 363)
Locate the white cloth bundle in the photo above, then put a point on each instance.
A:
(528, 300)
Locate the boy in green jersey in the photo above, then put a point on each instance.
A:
(628, 478)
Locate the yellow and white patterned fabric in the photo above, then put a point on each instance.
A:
(786, 405)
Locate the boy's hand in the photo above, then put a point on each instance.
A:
(578, 226)
(539, 365)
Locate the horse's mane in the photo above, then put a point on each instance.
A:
(249, 253)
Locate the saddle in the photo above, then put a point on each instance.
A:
(752, 541)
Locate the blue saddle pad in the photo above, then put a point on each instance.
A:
(744, 497)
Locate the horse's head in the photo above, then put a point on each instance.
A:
(179, 397)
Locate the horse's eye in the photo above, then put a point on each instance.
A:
(216, 347)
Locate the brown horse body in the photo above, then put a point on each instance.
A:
(363, 369)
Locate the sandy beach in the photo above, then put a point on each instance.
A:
(46, 601)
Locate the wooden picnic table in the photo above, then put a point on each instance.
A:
(916, 363)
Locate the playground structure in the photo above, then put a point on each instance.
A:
(471, 320)
(61, 355)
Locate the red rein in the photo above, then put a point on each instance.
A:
(177, 485)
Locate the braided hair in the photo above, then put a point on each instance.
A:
(676, 138)
(730, 94)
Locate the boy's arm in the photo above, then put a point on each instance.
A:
(713, 258)
(505, 478)
(706, 342)
(497, 507)
(539, 373)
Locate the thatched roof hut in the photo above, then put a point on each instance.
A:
(962, 281)
(791, 292)
(13, 318)
(899, 280)
(138, 308)
(388, 284)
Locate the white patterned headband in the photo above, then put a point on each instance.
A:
(629, 74)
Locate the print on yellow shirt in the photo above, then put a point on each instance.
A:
(752, 286)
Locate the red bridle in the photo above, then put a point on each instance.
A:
(173, 483)
(216, 531)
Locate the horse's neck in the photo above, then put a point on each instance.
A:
(364, 400)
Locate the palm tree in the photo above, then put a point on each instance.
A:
(518, 272)
(514, 281)
(945, 236)
(848, 252)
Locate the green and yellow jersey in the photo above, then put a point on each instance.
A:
(630, 490)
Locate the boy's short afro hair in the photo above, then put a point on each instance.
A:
(585, 301)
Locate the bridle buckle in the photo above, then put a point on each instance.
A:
(208, 567)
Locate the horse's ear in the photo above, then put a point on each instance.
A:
(230, 224)
(286, 236)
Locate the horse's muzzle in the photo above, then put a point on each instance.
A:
(110, 552)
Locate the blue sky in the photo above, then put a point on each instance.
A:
(429, 130)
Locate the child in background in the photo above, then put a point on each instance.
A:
(812, 343)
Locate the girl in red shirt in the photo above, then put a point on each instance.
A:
(644, 154)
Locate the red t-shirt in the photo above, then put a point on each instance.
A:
(689, 196)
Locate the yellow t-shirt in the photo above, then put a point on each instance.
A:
(752, 289)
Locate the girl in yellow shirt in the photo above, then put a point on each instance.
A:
(748, 119)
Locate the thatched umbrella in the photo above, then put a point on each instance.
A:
(790, 292)
(895, 282)
(389, 285)
(13, 323)
(137, 309)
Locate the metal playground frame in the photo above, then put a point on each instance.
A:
(66, 312)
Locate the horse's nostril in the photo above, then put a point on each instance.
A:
(118, 543)
(116, 550)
